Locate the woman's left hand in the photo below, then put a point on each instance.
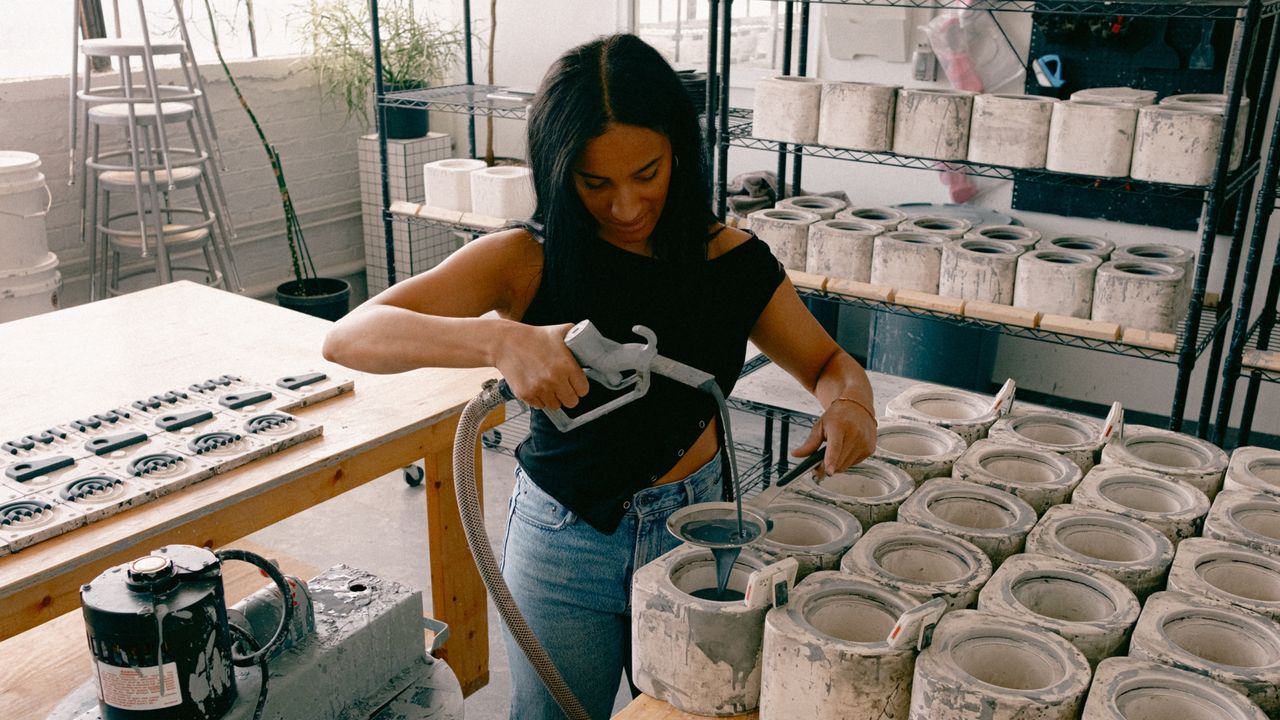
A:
(849, 432)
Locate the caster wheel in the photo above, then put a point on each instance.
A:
(413, 475)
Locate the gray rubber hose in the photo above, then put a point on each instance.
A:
(464, 475)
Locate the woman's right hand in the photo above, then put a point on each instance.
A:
(539, 368)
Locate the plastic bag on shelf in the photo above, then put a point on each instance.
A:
(972, 50)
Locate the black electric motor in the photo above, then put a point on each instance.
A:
(159, 636)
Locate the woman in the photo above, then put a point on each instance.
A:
(623, 235)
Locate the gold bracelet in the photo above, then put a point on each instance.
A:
(858, 403)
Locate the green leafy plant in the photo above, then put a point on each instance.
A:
(416, 50)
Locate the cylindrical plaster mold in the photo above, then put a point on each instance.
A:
(1245, 518)
(1123, 95)
(932, 123)
(1091, 138)
(1229, 573)
(871, 490)
(1115, 545)
(841, 249)
(1010, 130)
(886, 217)
(988, 666)
(907, 260)
(1176, 144)
(820, 205)
(979, 270)
(1228, 644)
(952, 228)
(1092, 611)
(1041, 479)
(1088, 244)
(857, 116)
(1070, 436)
(921, 450)
(1169, 255)
(786, 232)
(920, 562)
(826, 655)
(787, 109)
(1218, 103)
(1058, 282)
(993, 520)
(1188, 459)
(815, 534)
(1020, 235)
(1254, 469)
(701, 656)
(1174, 509)
(1139, 294)
(964, 413)
(1126, 688)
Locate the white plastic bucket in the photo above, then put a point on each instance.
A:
(24, 202)
(30, 291)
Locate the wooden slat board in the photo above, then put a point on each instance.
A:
(646, 708)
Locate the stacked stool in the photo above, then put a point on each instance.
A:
(148, 141)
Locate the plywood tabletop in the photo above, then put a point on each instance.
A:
(647, 708)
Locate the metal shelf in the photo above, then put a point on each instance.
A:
(467, 99)
(739, 134)
(1255, 341)
(1133, 8)
(1213, 322)
(418, 214)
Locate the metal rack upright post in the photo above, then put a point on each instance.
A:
(1204, 326)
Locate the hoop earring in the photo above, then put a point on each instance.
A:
(675, 164)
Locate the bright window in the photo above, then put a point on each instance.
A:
(678, 29)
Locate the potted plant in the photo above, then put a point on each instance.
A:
(416, 51)
(327, 298)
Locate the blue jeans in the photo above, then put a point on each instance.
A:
(573, 585)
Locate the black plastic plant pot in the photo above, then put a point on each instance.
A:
(325, 298)
(404, 123)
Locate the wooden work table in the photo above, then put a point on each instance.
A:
(84, 360)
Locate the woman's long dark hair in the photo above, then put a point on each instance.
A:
(620, 79)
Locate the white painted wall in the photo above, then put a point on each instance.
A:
(1069, 372)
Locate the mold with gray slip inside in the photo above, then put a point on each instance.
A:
(841, 249)
(952, 228)
(701, 656)
(1020, 236)
(1042, 479)
(1254, 469)
(1010, 130)
(921, 450)
(1087, 244)
(886, 217)
(1121, 547)
(920, 562)
(1229, 573)
(1138, 294)
(993, 520)
(1176, 510)
(989, 666)
(857, 116)
(1076, 438)
(826, 655)
(907, 260)
(1188, 459)
(1229, 644)
(932, 123)
(967, 414)
(821, 205)
(1244, 518)
(1057, 282)
(1176, 144)
(975, 269)
(786, 232)
(871, 491)
(1126, 688)
(1090, 610)
(815, 534)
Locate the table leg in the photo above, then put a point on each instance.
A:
(457, 593)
